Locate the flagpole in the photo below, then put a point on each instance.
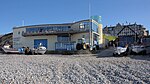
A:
(90, 20)
(22, 22)
(89, 9)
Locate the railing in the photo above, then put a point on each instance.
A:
(65, 46)
(46, 32)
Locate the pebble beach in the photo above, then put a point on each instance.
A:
(74, 69)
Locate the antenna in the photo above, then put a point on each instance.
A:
(90, 32)
(89, 9)
(22, 22)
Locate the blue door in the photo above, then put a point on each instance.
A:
(38, 41)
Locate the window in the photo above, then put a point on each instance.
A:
(63, 38)
(22, 32)
(110, 29)
(48, 28)
(79, 40)
(19, 32)
(81, 25)
(85, 25)
(69, 26)
(94, 27)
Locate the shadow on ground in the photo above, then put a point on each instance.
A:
(109, 53)
(140, 57)
(105, 53)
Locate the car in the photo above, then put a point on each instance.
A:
(138, 49)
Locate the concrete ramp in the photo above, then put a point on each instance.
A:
(106, 53)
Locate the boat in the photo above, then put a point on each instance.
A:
(24, 50)
(40, 50)
(138, 49)
(8, 49)
(119, 51)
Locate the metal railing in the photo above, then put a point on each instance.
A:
(65, 46)
(47, 32)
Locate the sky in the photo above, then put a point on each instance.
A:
(32, 12)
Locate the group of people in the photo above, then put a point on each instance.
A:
(25, 50)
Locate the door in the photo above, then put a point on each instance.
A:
(38, 41)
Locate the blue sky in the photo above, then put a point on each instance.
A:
(14, 12)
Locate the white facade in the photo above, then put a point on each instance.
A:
(56, 36)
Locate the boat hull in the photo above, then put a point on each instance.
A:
(40, 50)
(10, 50)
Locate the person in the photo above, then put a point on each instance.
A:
(21, 50)
(83, 40)
(27, 51)
(127, 50)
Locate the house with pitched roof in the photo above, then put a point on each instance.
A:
(127, 34)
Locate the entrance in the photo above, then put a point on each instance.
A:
(38, 41)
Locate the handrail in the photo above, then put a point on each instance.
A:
(54, 32)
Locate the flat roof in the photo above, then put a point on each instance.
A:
(41, 25)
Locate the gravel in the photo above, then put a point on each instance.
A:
(74, 69)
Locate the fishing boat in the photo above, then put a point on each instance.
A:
(121, 51)
(40, 50)
(8, 49)
(138, 49)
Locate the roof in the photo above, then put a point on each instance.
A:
(126, 27)
(1, 36)
(41, 25)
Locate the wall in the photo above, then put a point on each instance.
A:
(100, 32)
(20, 41)
(75, 37)
(51, 41)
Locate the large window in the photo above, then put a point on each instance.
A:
(94, 27)
(63, 38)
(49, 28)
(85, 25)
(88, 25)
